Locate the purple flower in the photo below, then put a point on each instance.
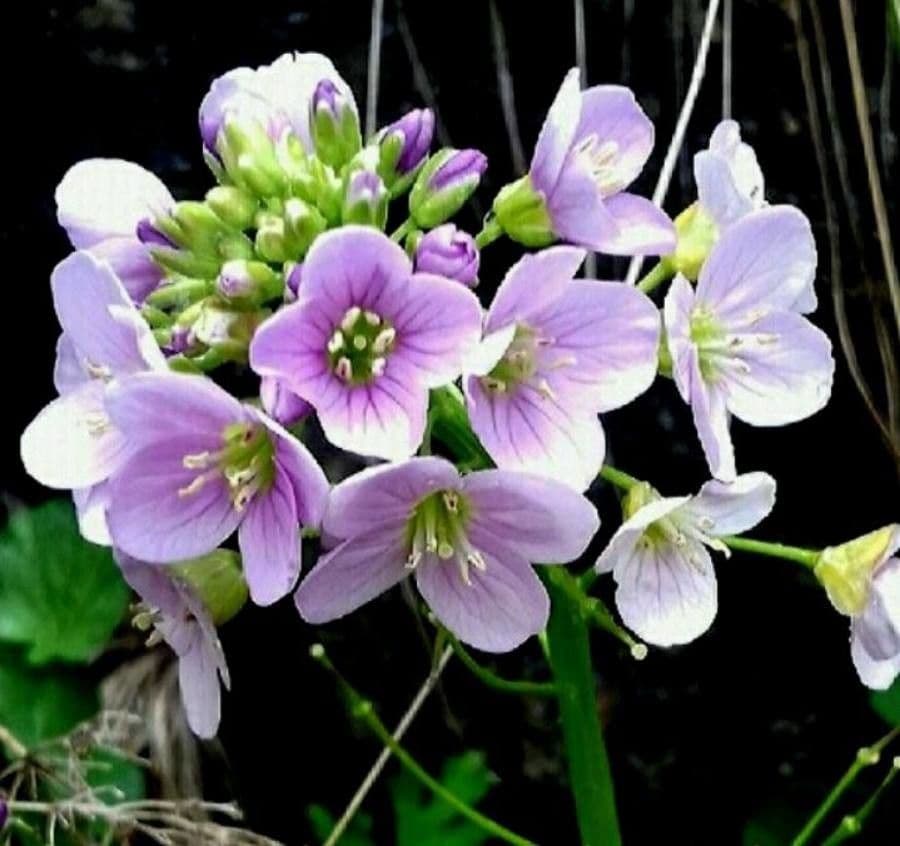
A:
(366, 340)
(178, 615)
(737, 344)
(592, 146)
(449, 252)
(468, 540)
(729, 180)
(72, 444)
(104, 204)
(200, 465)
(444, 185)
(405, 143)
(556, 352)
(280, 403)
(666, 585)
(277, 96)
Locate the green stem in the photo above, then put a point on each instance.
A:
(852, 824)
(364, 710)
(617, 477)
(401, 231)
(491, 679)
(570, 657)
(659, 273)
(180, 294)
(806, 557)
(865, 757)
(490, 232)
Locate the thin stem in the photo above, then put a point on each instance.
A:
(365, 711)
(374, 71)
(597, 613)
(865, 757)
(505, 89)
(384, 756)
(570, 657)
(806, 557)
(491, 679)
(684, 116)
(617, 477)
(727, 31)
(490, 232)
(852, 824)
(661, 272)
(865, 130)
(402, 230)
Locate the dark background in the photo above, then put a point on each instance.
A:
(765, 711)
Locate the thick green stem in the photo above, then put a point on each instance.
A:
(617, 477)
(806, 557)
(570, 657)
(490, 232)
(520, 687)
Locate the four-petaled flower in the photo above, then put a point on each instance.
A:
(468, 541)
(200, 465)
(366, 339)
(592, 146)
(72, 444)
(556, 352)
(666, 585)
(739, 344)
(171, 607)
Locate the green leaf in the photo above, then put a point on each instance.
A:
(893, 22)
(423, 819)
(60, 596)
(887, 703)
(38, 705)
(358, 833)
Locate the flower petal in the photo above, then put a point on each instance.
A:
(788, 374)
(150, 520)
(557, 134)
(540, 519)
(90, 505)
(873, 673)
(152, 407)
(504, 605)
(200, 692)
(637, 228)
(576, 208)
(530, 431)
(611, 332)
(611, 114)
(764, 261)
(385, 495)
(352, 574)
(132, 264)
(712, 421)
(269, 538)
(534, 282)
(106, 198)
(677, 318)
(736, 507)
(70, 443)
(99, 319)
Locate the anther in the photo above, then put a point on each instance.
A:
(384, 340)
(337, 341)
(343, 369)
(371, 318)
(193, 487)
(451, 501)
(544, 389)
(98, 371)
(378, 365)
(497, 386)
(350, 317)
(197, 461)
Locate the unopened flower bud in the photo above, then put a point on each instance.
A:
(697, 232)
(303, 224)
(450, 252)
(227, 329)
(334, 125)
(149, 235)
(365, 200)
(522, 214)
(448, 179)
(281, 404)
(271, 241)
(218, 581)
(249, 158)
(233, 205)
(846, 571)
(249, 281)
(403, 147)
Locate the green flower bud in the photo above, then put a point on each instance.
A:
(234, 206)
(303, 224)
(250, 282)
(334, 125)
(271, 240)
(227, 329)
(846, 571)
(250, 160)
(697, 232)
(522, 214)
(445, 183)
(218, 581)
(365, 200)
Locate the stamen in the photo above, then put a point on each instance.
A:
(97, 423)
(198, 461)
(497, 386)
(197, 483)
(336, 344)
(451, 501)
(154, 639)
(244, 495)
(412, 560)
(544, 389)
(384, 341)
(445, 550)
(371, 318)
(350, 317)
(344, 369)
(563, 361)
(98, 371)
(378, 365)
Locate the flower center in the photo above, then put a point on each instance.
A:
(360, 346)
(719, 350)
(245, 461)
(602, 159)
(437, 527)
(523, 363)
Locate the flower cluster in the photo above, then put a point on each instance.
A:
(285, 268)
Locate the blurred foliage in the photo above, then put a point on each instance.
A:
(60, 596)
(887, 703)
(893, 22)
(421, 819)
(774, 825)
